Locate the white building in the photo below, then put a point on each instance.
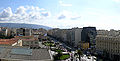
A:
(76, 35)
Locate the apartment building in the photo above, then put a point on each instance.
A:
(23, 32)
(89, 34)
(37, 32)
(76, 36)
(111, 32)
(102, 32)
(3, 32)
(108, 46)
(70, 36)
(28, 41)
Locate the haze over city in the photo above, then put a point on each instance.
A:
(103, 14)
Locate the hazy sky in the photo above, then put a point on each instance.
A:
(104, 14)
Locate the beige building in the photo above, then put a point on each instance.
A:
(28, 41)
(58, 33)
(18, 43)
(108, 44)
(72, 36)
(111, 32)
(37, 32)
(102, 32)
(84, 45)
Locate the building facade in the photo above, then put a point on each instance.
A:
(76, 36)
(89, 35)
(108, 46)
(23, 32)
(69, 36)
(28, 41)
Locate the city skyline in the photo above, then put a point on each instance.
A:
(62, 13)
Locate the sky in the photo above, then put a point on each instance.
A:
(103, 14)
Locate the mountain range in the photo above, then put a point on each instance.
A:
(23, 25)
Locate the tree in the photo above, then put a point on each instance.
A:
(79, 52)
(48, 39)
(50, 46)
(59, 54)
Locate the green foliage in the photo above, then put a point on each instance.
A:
(59, 54)
(62, 57)
(57, 50)
(51, 44)
(79, 52)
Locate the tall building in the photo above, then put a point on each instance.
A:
(3, 32)
(69, 36)
(8, 32)
(89, 34)
(76, 36)
(28, 32)
(23, 32)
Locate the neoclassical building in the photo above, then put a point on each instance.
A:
(108, 46)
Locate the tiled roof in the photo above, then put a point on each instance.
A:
(13, 40)
(8, 41)
(23, 36)
(29, 39)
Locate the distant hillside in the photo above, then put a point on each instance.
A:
(23, 25)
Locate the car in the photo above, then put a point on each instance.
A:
(89, 57)
(94, 57)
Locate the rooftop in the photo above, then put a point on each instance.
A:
(24, 37)
(22, 53)
(8, 41)
(13, 40)
(27, 38)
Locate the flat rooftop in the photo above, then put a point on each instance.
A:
(23, 53)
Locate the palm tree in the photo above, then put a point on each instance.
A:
(79, 52)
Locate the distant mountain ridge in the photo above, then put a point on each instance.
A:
(23, 25)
